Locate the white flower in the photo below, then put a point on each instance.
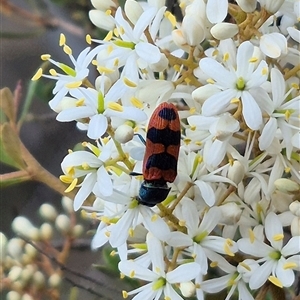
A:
(277, 260)
(238, 82)
(283, 115)
(73, 77)
(201, 244)
(130, 214)
(221, 129)
(88, 167)
(236, 278)
(160, 278)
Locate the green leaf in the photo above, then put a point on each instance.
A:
(10, 147)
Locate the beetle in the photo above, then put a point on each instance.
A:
(161, 155)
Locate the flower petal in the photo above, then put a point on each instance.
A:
(251, 111)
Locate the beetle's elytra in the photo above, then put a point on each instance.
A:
(161, 155)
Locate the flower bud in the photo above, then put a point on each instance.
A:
(24, 227)
(48, 212)
(161, 65)
(54, 280)
(13, 295)
(103, 4)
(101, 20)
(3, 247)
(286, 185)
(124, 133)
(231, 213)
(63, 223)
(295, 227)
(46, 232)
(247, 6)
(15, 247)
(133, 10)
(27, 274)
(179, 39)
(103, 82)
(30, 250)
(77, 230)
(223, 31)
(192, 30)
(14, 273)
(236, 172)
(26, 297)
(295, 208)
(67, 205)
(38, 279)
(187, 289)
(271, 6)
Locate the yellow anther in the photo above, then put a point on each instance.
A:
(215, 52)
(116, 62)
(45, 57)
(122, 276)
(37, 75)
(104, 70)
(182, 222)
(73, 85)
(234, 100)
(107, 233)
(124, 293)
(198, 143)
(109, 36)
(192, 110)
(62, 39)
(109, 48)
(113, 253)
(247, 267)
(253, 59)
(251, 236)
(53, 72)
(108, 12)
(94, 62)
(154, 218)
(264, 71)
(287, 170)
(85, 166)
(177, 68)
(214, 264)
(231, 162)
(72, 185)
(290, 265)
(275, 281)
(136, 102)
(94, 215)
(83, 214)
(227, 246)
(295, 86)
(171, 18)
(129, 82)
(193, 127)
(278, 237)
(187, 141)
(88, 39)
(105, 140)
(130, 232)
(79, 102)
(210, 80)
(131, 274)
(226, 56)
(116, 32)
(67, 50)
(287, 115)
(115, 106)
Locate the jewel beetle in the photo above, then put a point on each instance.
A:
(161, 155)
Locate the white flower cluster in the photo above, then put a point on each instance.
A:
(233, 70)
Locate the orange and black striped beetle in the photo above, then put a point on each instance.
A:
(161, 155)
